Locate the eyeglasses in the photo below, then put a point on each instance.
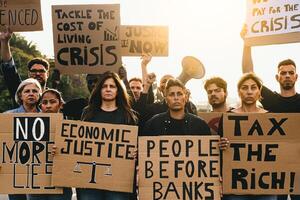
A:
(35, 71)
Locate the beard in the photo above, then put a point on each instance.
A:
(287, 85)
(218, 105)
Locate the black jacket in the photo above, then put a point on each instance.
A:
(161, 123)
(147, 110)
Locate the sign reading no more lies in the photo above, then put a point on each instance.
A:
(26, 160)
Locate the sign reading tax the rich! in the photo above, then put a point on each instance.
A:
(26, 160)
(86, 38)
(181, 167)
(262, 157)
(21, 15)
(272, 22)
(138, 40)
(95, 155)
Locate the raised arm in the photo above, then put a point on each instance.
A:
(247, 63)
(5, 37)
(146, 58)
(11, 77)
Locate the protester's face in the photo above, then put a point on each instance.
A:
(136, 88)
(216, 95)
(287, 76)
(249, 92)
(30, 94)
(163, 81)
(40, 73)
(50, 103)
(176, 98)
(109, 90)
(122, 73)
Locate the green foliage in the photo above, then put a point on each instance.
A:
(29, 48)
(73, 86)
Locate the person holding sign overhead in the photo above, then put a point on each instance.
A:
(249, 90)
(108, 103)
(287, 100)
(38, 68)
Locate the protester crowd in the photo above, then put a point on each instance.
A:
(116, 100)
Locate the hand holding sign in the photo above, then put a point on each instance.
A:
(53, 151)
(6, 34)
(244, 31)
(224, 143)
(146, 58)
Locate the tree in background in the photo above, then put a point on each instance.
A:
(73, 86)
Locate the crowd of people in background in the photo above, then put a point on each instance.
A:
(116, 100)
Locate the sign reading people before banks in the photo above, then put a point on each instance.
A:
(20, 15)
(272, 22)
(179, 168)
(86, 38)
(262, 157)
(95, 155)
(26, 161)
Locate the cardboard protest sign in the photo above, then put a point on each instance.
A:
(138, 40)
(262, 157)
(86, 38)
(21, 15)
(181, 167)
(272, 22)
(212, 119)
(95, 155)
(25, 153)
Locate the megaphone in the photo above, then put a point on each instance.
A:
(191, 68)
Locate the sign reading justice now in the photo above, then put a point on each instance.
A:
(138, 40)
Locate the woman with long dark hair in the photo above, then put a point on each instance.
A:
(108, 103)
